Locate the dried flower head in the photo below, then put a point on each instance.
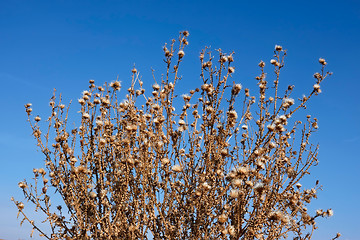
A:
(287, 102)
(274, 62)
(181, 54)
(177, 168)
(231, 69)
(261, 64)
(234, 193)
(232, 114)
(93, 195)
(22, 185)
(116, 85)
(330, 212)
(236, 89)
(231, 230)
(278, 48)
(322, 61)
(86, 116)
(165, 161)
(156, 86)
(275, 215)
(271, 127)
(81, 101)
(223, 59)
(237, 182)
(21, 206)
(258, 187)
(316, 86)
(223, 218)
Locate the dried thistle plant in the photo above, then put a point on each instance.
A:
(225, 166)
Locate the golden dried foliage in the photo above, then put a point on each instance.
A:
(223, 167)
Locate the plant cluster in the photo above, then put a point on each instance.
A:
(224, 166)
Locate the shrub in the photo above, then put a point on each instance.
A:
(224, 166)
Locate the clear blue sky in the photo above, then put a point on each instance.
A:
(63, 44)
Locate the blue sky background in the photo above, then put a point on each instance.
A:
(63, 44)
